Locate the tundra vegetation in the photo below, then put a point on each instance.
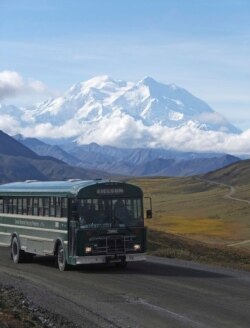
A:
(195, 220)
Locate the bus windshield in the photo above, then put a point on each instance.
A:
(120, 212)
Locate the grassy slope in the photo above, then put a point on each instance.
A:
(196, 209)
(188, 210)
(237, 175)
(173, 246)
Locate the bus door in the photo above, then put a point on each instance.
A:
(73, 228)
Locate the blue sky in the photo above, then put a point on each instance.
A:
(201, 45)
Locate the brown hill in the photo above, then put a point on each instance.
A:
(18, 163)
(234, 174)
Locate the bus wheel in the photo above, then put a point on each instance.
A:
(16, 252)
(61, 260)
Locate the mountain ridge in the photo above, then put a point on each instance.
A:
(133, 162)
(19, 163)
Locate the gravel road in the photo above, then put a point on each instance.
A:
(156, 293)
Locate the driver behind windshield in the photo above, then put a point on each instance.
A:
(121, 212)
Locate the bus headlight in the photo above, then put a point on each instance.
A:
(137, 247)
(88, 249)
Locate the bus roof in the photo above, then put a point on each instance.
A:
(69, 188)
(66, 188)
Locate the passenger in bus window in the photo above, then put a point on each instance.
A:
(120, 211)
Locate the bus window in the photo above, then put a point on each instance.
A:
(64, 207)
(35, 206)
(1, 205)
(15, 205)
(58, 207)
(134, 207)
(24, 205)
(127, 211)
(19, 205)
(52, 207)
(10, 205)
(30, 205)
(5, 205)
(118, 212)
(46, 205)
(40, 206)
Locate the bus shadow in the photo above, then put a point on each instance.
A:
(48, 261)
(139, 268)
(150, 269)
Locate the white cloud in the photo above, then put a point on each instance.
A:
(70, 129)
(212, 118)
(124, 131)
(13, 84)
(119, 130)
(9, 124)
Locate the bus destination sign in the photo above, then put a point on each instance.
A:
(110, 191)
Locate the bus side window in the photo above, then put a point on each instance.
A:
(19, 205)
(58, 207)
(30, 205)
(46, 206)
(15, 205)
(10, 210)
(6, 204)
(64, 207)
(35, 206)
(1, 205)
(40, 207)
(52, 207)
(25, 206)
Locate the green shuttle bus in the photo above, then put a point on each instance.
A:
(79, 222)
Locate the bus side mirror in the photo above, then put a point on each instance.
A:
(149, 214)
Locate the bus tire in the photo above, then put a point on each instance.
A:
(61, 259)
(16, 252)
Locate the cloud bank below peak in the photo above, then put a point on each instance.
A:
(124, 131)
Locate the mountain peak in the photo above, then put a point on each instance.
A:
(112, 112)
(96, 82)
(99, 79)
(18, 137)
(173, 86)
(148, 80)
(10, 146)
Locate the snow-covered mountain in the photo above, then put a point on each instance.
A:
(115, 112)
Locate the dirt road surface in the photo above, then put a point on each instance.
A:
(158, 293)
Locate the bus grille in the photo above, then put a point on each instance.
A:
(113, 244)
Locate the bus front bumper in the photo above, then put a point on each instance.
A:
(110, 258)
